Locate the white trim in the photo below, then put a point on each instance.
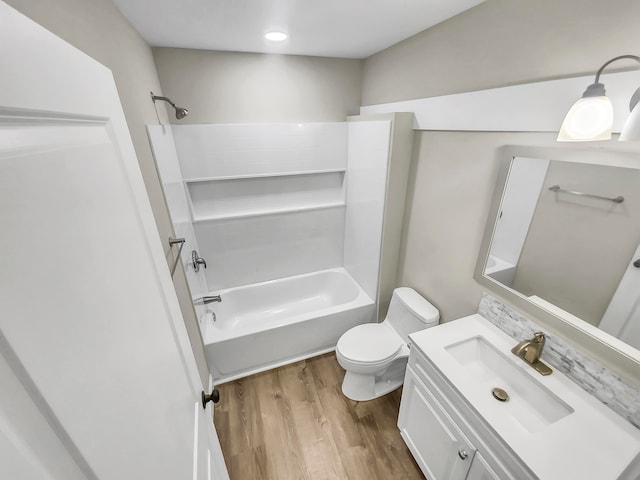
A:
(196, 440)
(274, 365)
(531, 107)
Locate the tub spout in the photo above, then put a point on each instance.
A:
(209, 299)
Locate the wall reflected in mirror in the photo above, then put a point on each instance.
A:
(561, 240)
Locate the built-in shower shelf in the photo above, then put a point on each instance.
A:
(258, 213)
(263, 175)
(249, 196)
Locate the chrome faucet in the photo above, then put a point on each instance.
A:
(210, 299)
(530, 351)
(196, 261)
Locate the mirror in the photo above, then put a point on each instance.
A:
(562, 238)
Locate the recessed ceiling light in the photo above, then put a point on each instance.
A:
(276, 36)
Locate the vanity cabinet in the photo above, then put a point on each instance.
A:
(480, 470)
(449, 406)
(438, 445)
(446, 438)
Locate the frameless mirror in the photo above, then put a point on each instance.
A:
(563, 237)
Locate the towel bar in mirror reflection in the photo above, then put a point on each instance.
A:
(557, 189)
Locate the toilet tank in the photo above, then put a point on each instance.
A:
(410, 312)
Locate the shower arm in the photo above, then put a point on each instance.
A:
(180, 112)
(157, 97)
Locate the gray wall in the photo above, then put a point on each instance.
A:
(504, 42)
(232, 87)
(98, 28)
(451, 183)
(578, 248)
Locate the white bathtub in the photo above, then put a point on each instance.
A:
(269, 324)
(500, 270)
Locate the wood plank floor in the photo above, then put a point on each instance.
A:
(294, 423)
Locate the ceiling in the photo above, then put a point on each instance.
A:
(327, 28)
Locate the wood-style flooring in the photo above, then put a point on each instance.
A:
(294, 423)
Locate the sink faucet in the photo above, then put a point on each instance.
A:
(530, 351)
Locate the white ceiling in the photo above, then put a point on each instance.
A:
(327, 28)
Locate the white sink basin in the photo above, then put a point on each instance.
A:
(530, 404)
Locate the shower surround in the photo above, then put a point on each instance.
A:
(290, 219)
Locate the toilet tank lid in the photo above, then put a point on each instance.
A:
(417, 304)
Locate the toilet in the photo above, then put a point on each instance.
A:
(375, 354)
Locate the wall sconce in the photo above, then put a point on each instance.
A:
(591, 117)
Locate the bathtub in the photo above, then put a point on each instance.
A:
(500, 270)
(269, 324)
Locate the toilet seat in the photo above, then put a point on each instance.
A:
(370, 343)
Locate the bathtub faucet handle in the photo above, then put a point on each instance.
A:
(196, 261)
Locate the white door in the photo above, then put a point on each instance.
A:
(98, 378)
(622, 318)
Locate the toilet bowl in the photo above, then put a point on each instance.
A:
(375, 355)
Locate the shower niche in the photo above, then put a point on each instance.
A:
(275, 205)
(221, 198)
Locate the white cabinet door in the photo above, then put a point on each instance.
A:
(91, 336)
(437, 444)
(480, 470)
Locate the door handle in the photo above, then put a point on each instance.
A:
(214, 397)
(637, 263)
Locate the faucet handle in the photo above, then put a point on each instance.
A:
(196, 261)
(539, 337)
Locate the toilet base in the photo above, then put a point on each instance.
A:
(365, 387)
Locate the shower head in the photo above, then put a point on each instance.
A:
(180, 112)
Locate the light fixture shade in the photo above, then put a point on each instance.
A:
(589, 119)
(631, 130)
